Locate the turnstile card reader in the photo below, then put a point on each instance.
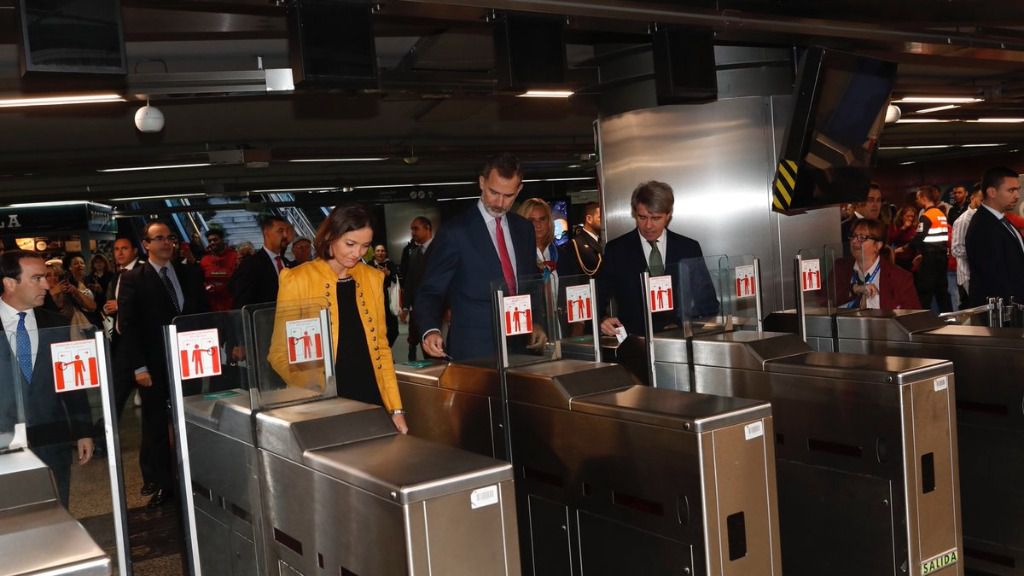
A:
(37, 534)
(344, 493)
(866, 448)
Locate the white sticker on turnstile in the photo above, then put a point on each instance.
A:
(754, 430)
(941, 383)
(810, 275)
(483, 496)
(745, 287)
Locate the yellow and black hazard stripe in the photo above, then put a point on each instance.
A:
(784, 184)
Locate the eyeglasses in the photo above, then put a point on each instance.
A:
(862, 237)
(169, 238)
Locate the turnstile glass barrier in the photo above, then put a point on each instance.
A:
(290, 478)
(612, 477)
(62, 495)
(866, 445)
(989, 418)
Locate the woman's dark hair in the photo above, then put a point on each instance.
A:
(341, 220)
(98, 258)
(69, 257)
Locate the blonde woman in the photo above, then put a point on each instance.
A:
(538, 213)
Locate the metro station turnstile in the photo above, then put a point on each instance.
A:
(37, 534)
(613, 477)
(866, 448)
(990, 412)
(310, 483)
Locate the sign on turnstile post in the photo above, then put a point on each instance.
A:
(518, 315)
(75, 365)
(579, 303)
(810, 275)
(305, 340)
(746, 286)
(199, 354)
(660, 293)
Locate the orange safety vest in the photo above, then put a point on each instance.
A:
(938, 231)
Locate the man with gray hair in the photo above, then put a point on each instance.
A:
(651, 247)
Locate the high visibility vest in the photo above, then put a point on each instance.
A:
(938, 231)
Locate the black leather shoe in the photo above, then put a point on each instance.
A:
(149, 488)
(161, 497)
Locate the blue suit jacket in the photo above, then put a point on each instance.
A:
(460, 268)
(624, 261)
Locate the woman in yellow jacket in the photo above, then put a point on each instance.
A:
(354, 294)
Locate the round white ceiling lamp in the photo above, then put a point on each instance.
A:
(149, 119)
(892, 114)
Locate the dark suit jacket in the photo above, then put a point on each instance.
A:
(995, 258)
(415, 267)
(581, 249)
(460, 268)
(145, 307)
(895, 286)
(255, 280)
(624, 261)
(50, 417)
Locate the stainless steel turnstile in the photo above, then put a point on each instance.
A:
(612, 477)
(866, 448)
(343, 493)
(37, 534)
(988, 363)
(225, 483)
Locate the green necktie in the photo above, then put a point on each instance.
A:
(654, 263)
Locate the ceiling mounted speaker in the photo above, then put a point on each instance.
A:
(684, 65)
(529, 51)
(332, 45)
(149, 119)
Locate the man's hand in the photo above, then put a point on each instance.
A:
(433, 345)
(608, 326)
(399, 421)
(538, 338)
(85, 450)
(404, 316)
(110, 307)
(143, 379)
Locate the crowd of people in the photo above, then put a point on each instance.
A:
(927, 254)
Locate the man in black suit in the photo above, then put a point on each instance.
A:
(151, 295)
(414, 264)
(584, 253)
(995, 252)
(651, 247)
(53, 421)
(485, 244)
(255, 280)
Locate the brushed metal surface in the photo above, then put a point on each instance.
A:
(878, 369)
(557, 383)
(227, 412)
(472, 378)
(692, 412)
(407, 469)
(24, 480)
(745, 350)
(45, 539)
(421, 375)
(894, 325)
(720, 159)
(293, 430)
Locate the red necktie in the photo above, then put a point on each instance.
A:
(506, 262)
(278, 263)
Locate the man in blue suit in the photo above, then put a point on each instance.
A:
(485, 244)
(651, 247)
(58, 426)
(995, 249)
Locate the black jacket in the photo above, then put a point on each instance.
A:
(255, 280)
(995, 258)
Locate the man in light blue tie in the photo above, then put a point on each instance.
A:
(54, 422)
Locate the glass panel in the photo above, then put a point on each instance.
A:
(695, 296)
(224, 366)
(59, 376)
(818, 279)
(736, 284)
(530, 317)
(576, 308)
(292, 353)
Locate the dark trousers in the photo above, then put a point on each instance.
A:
(155, 452)
(124, 383)
(930, 280)
(58, 458)
(413, 338)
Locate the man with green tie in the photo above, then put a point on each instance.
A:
(653, 248)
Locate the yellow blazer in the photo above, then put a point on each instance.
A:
(316, 283)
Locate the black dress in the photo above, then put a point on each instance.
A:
(353, 368)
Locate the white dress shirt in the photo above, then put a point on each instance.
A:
(491, 228)
(9, 316)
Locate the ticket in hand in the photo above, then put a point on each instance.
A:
(620, 334)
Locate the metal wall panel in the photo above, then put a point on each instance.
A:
(720, 159)
(398, 216)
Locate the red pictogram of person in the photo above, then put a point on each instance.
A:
(79, 367)
(515, 319)
(307, 345)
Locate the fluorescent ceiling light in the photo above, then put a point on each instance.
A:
(999, 120)
(982, 145)
(303, 189)
(159, 197)
(937, 109)
(424, 185)
(60, 100)
(546, 94)
(375, 159)
(907, 163)
(922, 147)
(158, 167)
(574, 178)
(459, 198)
(937, 100)
(53, 203)
(923, 121)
